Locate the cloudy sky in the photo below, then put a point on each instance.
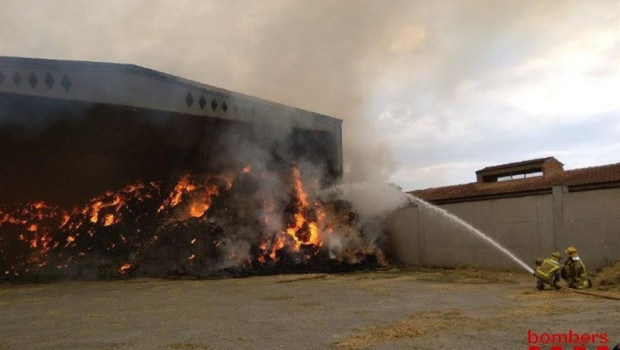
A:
(429, 91)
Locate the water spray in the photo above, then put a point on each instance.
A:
(455, 219)
(471, 229)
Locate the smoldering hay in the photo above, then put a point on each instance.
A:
(240, 223)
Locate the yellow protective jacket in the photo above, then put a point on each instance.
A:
(574, 267)
(548, 270)
(574, 272)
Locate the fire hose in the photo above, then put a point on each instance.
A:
(579, 291)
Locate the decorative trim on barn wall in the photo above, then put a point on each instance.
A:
(214, 105)
(33, 80)
(138, 87)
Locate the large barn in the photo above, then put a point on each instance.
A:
(71, 129)
(113, 170)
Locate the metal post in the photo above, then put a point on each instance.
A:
(558, 217)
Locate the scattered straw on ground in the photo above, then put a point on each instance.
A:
(532, 294)
(187, 346)
(531, 310)
(608, 277)
(307, 277)
(464, 275)
(427, 323)
(412, 327)
(431, 322)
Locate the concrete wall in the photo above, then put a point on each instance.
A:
(592, 224)
(530, 227)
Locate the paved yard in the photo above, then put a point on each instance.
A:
(395, 309)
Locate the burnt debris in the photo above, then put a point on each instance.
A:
(224, 225)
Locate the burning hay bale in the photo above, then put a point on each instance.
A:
(199, 227)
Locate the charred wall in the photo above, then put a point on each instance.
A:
(115, 170)
(67, 151)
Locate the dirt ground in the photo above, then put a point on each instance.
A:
(392, 309)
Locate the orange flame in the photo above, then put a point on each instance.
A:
(184, 185)
(300, 214)
(278, 244)
(303, 230)
(117, 202)
(123, 269)
(108, 220)
(200, 196)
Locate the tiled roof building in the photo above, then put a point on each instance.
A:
(515, 179)
(531, 208)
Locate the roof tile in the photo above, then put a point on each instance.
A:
(599, 175)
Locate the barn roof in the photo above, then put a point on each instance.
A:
(576, 179)
(138, 87)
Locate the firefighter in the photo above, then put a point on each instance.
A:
(574, 271)
(548, 272)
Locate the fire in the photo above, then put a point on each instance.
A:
(110, 201)
(94, 212)
(303, 229)
(122, 229)
(65, 220)
(199, 196)
(299, 188)
(228, 180)
(263, 246)
(292, 231)
(183, 186)
(300, 215)
(123, 269)
(277, 245)
(198, 209)
(108, 220)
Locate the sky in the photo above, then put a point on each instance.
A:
(428, 91)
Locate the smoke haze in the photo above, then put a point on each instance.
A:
(429, 91)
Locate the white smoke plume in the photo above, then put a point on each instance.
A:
(370, 200)
(454, 65)
(372, 203)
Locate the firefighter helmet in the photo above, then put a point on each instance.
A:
(571, 250)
